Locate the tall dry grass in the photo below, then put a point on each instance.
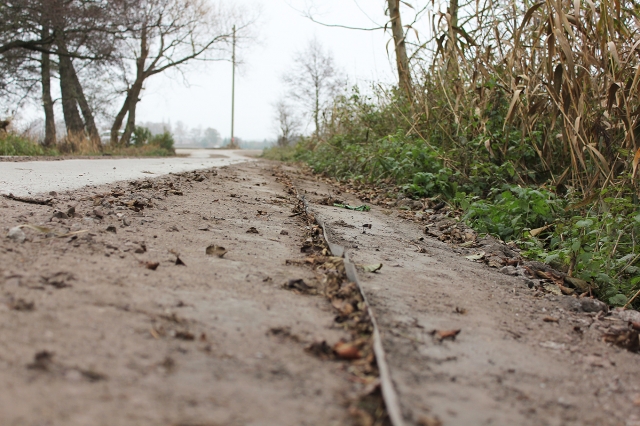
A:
(560, 76)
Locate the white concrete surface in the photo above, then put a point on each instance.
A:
(37, 177)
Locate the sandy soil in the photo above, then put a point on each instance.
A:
(113, 313)
(90, 336)
(522, 356)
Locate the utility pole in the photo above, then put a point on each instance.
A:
(232, 143)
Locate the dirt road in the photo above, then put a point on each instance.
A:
(202, 298)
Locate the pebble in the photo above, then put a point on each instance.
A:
(628, 315)
(17, 234)
(510, 270)
(584, 305)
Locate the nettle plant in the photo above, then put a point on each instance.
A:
(600, 246)
(509, 211)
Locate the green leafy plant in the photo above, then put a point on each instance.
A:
(12, 144)
(164, 141)
(141, 135)
(508, 212)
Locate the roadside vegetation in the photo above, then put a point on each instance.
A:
(144, 145)
(523, 116)
(13, 144)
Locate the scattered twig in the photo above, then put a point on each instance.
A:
(29, 200)
(631, 300)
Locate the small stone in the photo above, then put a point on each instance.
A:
(581, 285)
(628, 315)
(593, 305)
(126, 221)
(60, 215)
(98, 212)
(509, 270)
(283, 232)
(584, 305)
(112, 228)
(16, 234)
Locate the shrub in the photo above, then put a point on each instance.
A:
(12, 144)
(164, 141)
(507, 212)
(141, 135)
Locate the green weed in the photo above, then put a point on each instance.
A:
(12, 144)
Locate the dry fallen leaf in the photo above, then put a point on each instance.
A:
(347, 350)
(476, 256)
(538, 231)
(151, 265)
(184, 335)
(59, 279)
(300, 285)
(214, 250)
(636, 162)
(372, 268)
(628, 339)
(446, 334)
(552, 288)
(429, 421)
(42, 229)
(41, 361)
(343, 306)
(21, 305)
(320, 349)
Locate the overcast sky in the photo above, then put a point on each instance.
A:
(282, 30)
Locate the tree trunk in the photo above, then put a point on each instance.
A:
(117, 122)
(72, 119)
(402, 60)
(90, 122)
(316, 111)
(47, 100)
(453, 11)
(133, 97)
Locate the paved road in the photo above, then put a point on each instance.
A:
(35, 177)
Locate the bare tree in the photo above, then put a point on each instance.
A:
(402, 59)
(40, 31)
(168, 34)
(288, 123)
(16, 29)
(83, 30)
(399, 38)
(313, 80)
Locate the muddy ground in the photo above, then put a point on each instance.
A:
(113, 312)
